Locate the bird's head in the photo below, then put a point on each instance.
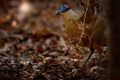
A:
(62, 9)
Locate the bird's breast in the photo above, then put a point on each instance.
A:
(72, 27)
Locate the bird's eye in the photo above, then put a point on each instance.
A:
(64, 7)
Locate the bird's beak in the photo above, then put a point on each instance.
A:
(57, 12)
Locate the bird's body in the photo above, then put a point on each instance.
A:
(71, 22)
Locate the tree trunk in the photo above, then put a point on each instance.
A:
(113, 15)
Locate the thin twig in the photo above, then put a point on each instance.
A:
(83, 24)
(86, 12)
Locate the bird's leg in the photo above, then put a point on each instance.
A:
(92, 51)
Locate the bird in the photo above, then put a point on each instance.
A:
(94, 27)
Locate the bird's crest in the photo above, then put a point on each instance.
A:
(62, 8)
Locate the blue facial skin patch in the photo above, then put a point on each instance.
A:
(62, 8)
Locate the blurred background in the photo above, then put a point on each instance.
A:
(37, 14)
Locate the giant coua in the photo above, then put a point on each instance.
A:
(95, 25)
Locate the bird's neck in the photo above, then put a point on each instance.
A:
(70, 14)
